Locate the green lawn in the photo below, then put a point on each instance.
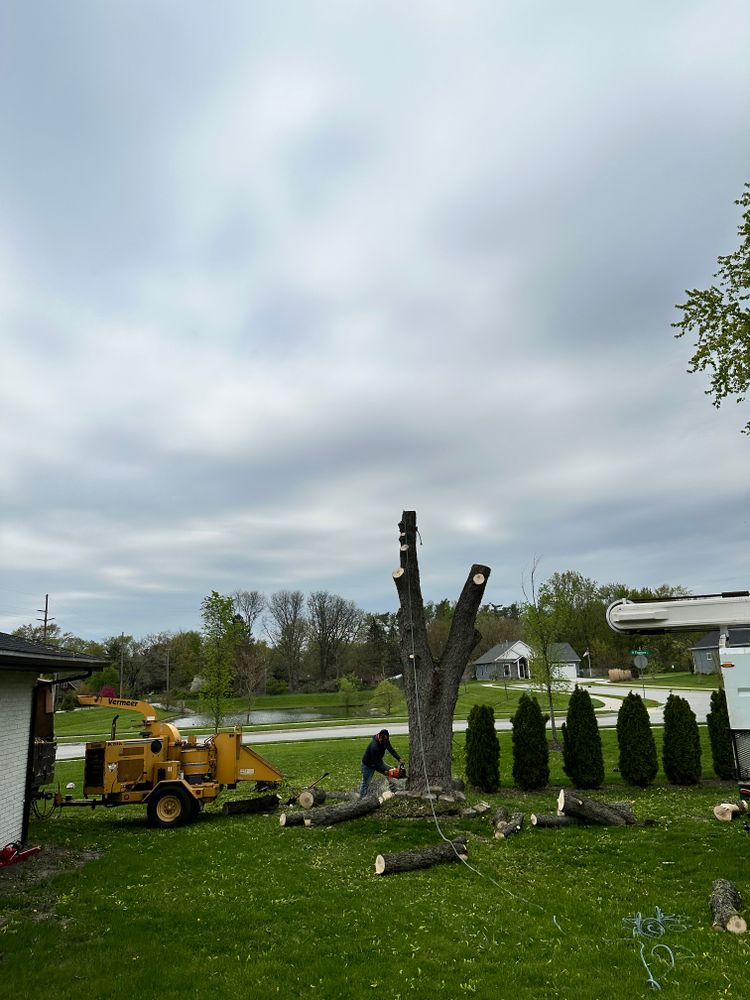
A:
(238, 906)
(674, 679)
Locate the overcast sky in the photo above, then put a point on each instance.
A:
(272, 273)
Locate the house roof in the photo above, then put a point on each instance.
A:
(739, 636)
(502, 651)
(562, 652)
(22, 654)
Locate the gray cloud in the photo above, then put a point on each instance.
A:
(267, 280)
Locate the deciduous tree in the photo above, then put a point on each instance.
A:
(221, 633)
(719, 319)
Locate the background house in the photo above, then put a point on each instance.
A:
(507, 660)
(26, 722)
(705, 652)
(565, 662)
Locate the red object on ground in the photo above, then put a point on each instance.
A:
(11, 854)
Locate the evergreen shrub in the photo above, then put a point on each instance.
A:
(530, 750)
(583, 761)
(681, 754)
(719, 735)
(638, 761)
(482, 749)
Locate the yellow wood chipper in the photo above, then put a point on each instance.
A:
(172, 776)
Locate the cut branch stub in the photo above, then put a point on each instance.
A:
(478, 579)
(587, 810)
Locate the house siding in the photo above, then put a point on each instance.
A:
(16, 694)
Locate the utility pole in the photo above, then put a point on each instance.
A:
(46, 620)
(122, 653)
(168, 652)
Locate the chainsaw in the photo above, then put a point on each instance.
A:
(397, 772)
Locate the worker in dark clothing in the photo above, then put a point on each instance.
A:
(372, 759)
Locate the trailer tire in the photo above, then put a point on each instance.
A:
(170, 807)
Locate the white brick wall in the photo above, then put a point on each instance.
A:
(16, 691)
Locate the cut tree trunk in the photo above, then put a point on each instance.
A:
(292, 819)
(424, 857)
(260, 804)
(544, 822)
(727, 811)
(593, 810)
(311, 797)
(725, 905)
(430, 683)
(505, 828)
(343, 811)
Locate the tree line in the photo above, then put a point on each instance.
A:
(289, 641)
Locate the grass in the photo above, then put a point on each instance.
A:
(676, 680)
(238, 906)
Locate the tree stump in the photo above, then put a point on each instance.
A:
(424, 857)
(311, 797)
(544, 822)
(344, 811)
(727, 811)
(594, 811)
(725, 905)
(260, 804)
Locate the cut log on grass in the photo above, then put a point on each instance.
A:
(292, 819)
(727, 811)
(594, 811)
(311, 797)
(725, 905)
(504, 829)
(344, 811)
(260, 804)
(544, 822)
(423, 857)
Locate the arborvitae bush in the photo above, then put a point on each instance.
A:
(638, 762)
(482, 749)
(719, 734)
(583, 761)
(681, 754)
(530, 750)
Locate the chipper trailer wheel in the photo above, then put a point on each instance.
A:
(170, 807)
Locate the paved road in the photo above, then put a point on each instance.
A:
(699, 701)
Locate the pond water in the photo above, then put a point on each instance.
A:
(262, 717)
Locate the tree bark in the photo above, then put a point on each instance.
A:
(594, 811)
(727, 811)
(431, 685)
(311, 797)
(543, 822)
(261, 804)
(424, 857)
(725, 905)
(343, 811)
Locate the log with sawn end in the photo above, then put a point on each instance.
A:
(727, 811)
(570, 803)
(292, 819)
(544, 822)
(343, 811)
(422, 857)
(725, 905)
(260, 804)
(311, 797)
(505, 828)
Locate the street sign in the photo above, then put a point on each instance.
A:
(641, 661)
(640, 652)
